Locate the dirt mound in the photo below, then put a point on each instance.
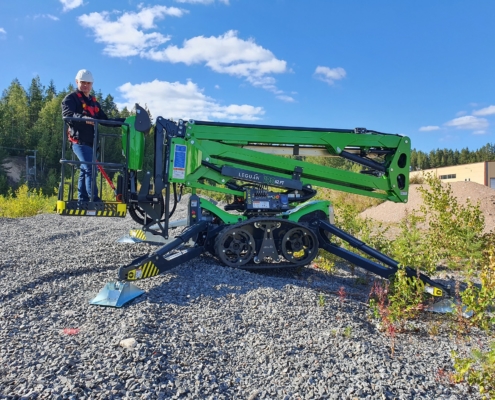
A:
(390, 212)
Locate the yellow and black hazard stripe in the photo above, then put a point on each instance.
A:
(106, 209)
(138, 234)
(146, 270)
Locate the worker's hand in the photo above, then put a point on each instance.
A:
(88, 122)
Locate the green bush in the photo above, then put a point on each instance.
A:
(480, 299)
(413, 247)
(416, 179)
(25, 203)
(455, 230)
(478, 369)
(398, 301)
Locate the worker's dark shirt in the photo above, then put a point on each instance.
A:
(81, 132)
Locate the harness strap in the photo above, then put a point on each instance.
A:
(92, 109)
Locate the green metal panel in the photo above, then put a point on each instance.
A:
(184, 159)
(303, 209)
(136, 144)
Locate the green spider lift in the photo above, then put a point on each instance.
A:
(272, 221)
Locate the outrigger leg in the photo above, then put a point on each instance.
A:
(116, 294)
(392, 266)
(164, 258)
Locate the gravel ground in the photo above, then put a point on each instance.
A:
(201, 331)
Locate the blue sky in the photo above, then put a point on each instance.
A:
(422, 68)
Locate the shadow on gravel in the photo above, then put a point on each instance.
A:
(190, 282)
(50, 278)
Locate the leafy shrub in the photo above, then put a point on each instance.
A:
(398, 301)
(416, 179)
(341, 199)
(478, 369)
(407, 297)
(413, 247)
(25, 203)
(325, 261)
(455, 230)
(481, 298)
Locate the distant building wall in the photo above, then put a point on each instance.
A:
(482, 173)
(490, 175)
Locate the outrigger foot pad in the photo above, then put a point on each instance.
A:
(449, 305)
(116, 294)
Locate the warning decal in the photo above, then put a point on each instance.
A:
(179, 170)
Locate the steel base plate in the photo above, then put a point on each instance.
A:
(116, 294)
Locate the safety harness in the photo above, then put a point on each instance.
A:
(90, 110)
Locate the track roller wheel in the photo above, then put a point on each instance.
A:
(235, 247)
(299, 245)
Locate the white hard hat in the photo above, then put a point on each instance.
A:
(84, 75)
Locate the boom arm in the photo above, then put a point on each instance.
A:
(221, 152)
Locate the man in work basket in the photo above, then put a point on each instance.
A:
(81, 104)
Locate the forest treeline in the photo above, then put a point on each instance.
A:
(30, 119)
(447, 157)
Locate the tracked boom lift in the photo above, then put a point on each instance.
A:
(272, 221)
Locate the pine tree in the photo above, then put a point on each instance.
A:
(35, 100)
(125, 113)
(4, 186)
(51, 91)
(49, 129)
(15, 116)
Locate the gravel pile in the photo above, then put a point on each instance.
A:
(476, 194)
(200, 331)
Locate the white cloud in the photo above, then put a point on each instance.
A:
(429, 128)
(480, 132)
(125, 37)
(202, 1)
(287, 99)
(490, 110)
(329, 75)
(3, 31)
(49, 16)
(468, 122)
(183, 101)
(71, 4)
(226, 54)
